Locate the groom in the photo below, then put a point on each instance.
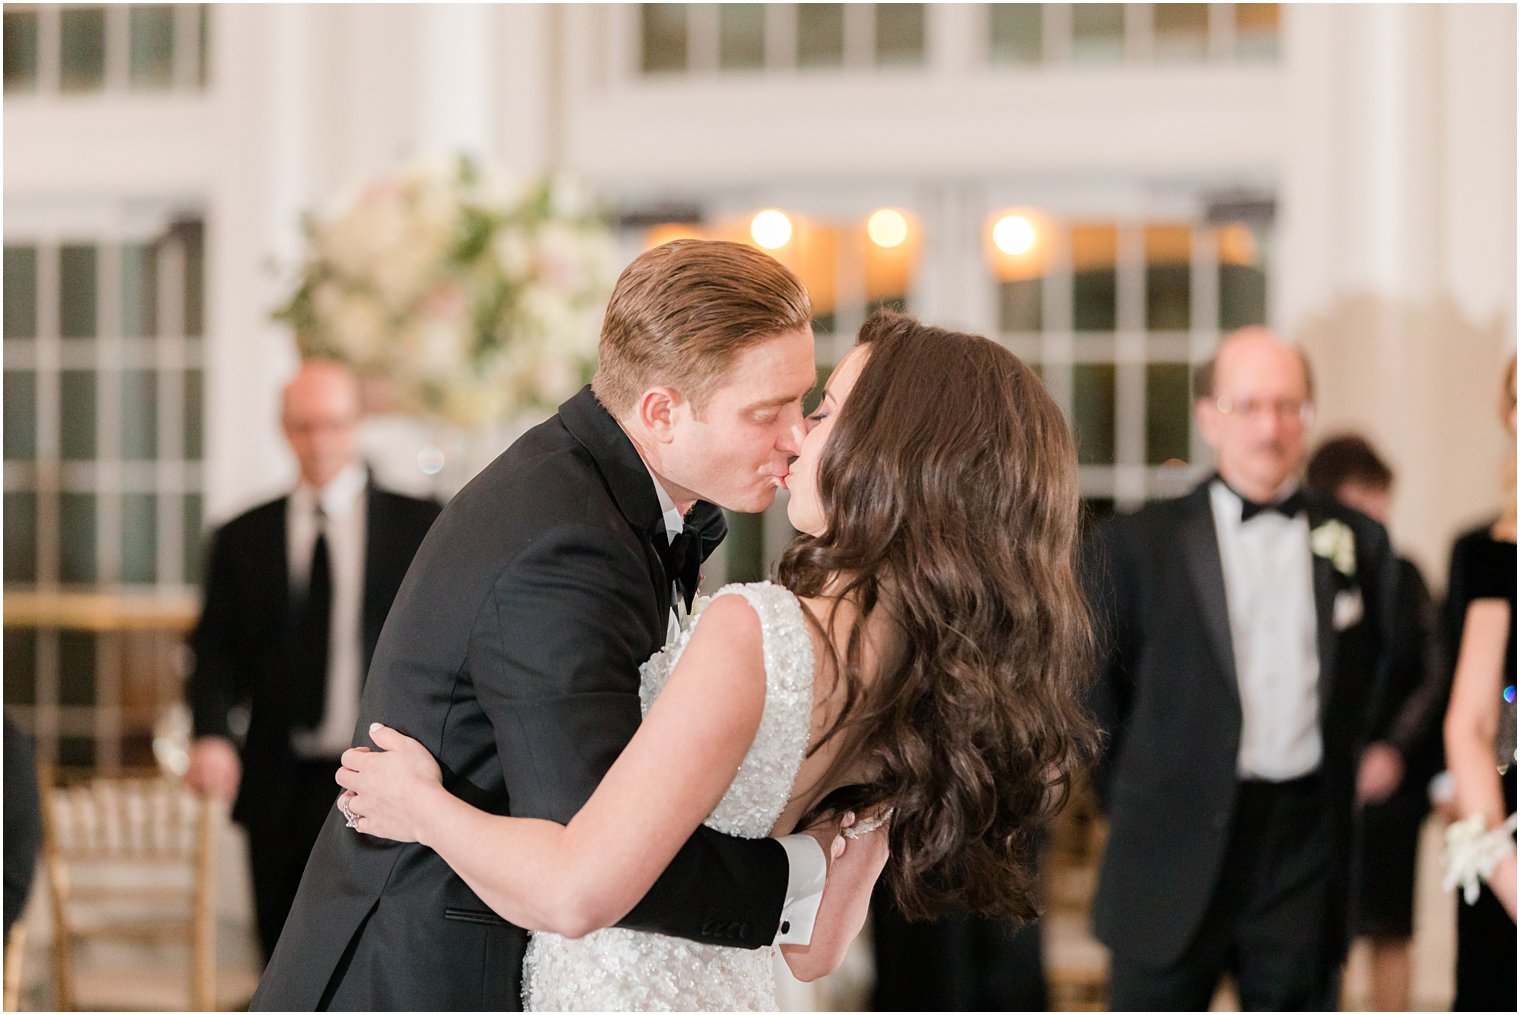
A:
(513, 647)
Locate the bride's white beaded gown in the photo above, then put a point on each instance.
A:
(624, 970)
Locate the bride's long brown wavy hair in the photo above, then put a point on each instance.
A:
(949, 485)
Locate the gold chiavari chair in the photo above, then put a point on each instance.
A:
(131, 858)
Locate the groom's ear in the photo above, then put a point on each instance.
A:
(658, 411)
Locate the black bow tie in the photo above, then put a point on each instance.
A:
(683, 553)
(683, 561)
(1289, 506)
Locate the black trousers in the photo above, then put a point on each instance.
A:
(280, 843)
(960, 962)
(1267, 924)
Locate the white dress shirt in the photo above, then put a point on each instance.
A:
(807, 868)
(343, 505)
(1269, 591)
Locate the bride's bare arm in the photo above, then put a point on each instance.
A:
(573, 879)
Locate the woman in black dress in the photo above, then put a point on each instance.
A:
(1480, 743)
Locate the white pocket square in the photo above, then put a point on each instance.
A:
(1347, 609)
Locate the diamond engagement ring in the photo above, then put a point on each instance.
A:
(349, 817)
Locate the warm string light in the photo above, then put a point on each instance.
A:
(1014, 235)
(887, 227)
(771, 229)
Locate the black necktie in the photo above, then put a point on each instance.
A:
(312, 623)
(683, 561)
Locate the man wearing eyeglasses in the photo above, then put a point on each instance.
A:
(1245, 639)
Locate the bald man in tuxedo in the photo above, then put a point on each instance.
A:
(1246, 644)
(296, 593)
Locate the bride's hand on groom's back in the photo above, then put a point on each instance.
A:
(388, 790)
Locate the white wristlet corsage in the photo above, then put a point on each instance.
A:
(1472, 853)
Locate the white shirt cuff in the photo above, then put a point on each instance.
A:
(807, 869)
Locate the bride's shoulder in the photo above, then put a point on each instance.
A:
(775, 604)
(756, 592)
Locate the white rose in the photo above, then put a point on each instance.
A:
(1334, 541)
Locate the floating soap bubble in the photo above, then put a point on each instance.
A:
(430, 461)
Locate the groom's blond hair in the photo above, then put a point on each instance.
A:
(681, 311)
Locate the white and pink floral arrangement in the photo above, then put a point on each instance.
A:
(457, 293)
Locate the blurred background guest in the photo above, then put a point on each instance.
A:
(1395, 770)
(296, 592)
(23, 823)
(1246, 625)
(1480, 745)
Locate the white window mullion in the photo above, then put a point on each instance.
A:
(780, 37)
(108, 413)
(186, 52)
(956, 38)
(1222, 32)
(171, 450)
(702, 38)
(49, 50)
(118, 47)
(1057, 313)
(1055, 31)
(1205, 334)
(849, 289)
(49, 400)
(1204, 306)
(1139, 34)
(1129, 362)
(171, 288)
(859, 36)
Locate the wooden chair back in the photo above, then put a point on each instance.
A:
(131, 857)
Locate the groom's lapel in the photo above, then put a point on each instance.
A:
(626, 477)
(616, 459)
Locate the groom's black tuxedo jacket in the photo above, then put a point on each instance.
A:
(512, 653)
(1167, 697)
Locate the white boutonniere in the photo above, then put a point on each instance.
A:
(697, 606)
(1334, 541)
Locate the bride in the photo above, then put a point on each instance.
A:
(917, 669)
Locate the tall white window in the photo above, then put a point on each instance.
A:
(737, 38)
(103, 392)
(80, 49)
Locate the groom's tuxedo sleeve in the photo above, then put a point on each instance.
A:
(554, 657)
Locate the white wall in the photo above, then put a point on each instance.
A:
(1396, 257)
(1387, 131)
